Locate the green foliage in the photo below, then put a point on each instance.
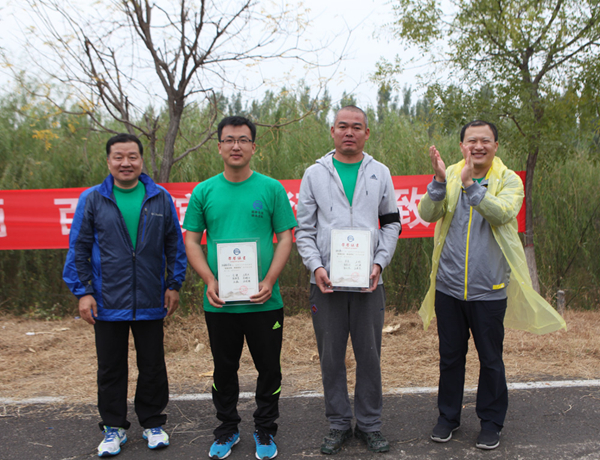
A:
(568, 223)
(518, 60)
(72, 155)
(418, 21)
(42, 146)
(384, 95)
(525, 61)
(32, 284)
(346, 100)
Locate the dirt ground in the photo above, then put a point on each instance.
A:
(57, 358)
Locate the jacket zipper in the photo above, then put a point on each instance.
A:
(344, 193)
(144, 226)
(132, 254)
(134, 259)
(134, 286)
(467, 250)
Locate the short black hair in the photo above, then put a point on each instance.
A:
(479, 123)
(236, 121)
(353, 108)
(122, 138)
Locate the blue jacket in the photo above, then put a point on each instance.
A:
(127, 284)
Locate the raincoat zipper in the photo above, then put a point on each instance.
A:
(467, 250)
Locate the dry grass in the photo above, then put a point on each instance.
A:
(60, 359)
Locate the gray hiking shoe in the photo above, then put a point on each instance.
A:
(335, 439)
(375, 441)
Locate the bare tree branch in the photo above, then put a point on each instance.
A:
(175, 52)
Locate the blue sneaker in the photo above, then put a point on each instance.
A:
(156, 437)
(265, 445)
(221, 448)
(114, 438)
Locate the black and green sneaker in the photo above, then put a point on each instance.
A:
(375, 441)
(335, 439)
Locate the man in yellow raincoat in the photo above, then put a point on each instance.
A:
(479, 277)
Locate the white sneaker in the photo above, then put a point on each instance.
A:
(114, 438)
(156, 437)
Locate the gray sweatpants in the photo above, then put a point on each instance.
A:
(335, 316)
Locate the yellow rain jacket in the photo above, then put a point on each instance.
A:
(526, 309)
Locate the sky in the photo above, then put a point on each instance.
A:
(364, 39)
(354, 28)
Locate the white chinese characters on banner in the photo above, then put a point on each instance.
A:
(181, 206)
(293, 204)
(3, 232)
(65, 220)
(408, 202)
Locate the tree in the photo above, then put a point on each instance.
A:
(406, 101)
(177, 51)
(346, 99)
(523, 52)
(384, 95)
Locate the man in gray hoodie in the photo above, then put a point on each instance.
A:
(347, 188)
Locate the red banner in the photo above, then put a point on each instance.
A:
(41, 219)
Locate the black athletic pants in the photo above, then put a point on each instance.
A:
(152, 391)
(485, 319)
(263, 333)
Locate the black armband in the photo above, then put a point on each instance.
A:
(390, 219)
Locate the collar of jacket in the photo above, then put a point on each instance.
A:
(106, 188)
(327, 160)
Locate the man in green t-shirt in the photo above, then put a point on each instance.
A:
(240, 205)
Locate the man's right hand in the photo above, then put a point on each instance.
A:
(87, 305)
(439, 167)
(212, 294)
(323, 281)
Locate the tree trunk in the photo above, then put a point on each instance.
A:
(169, 149)
(529, 247)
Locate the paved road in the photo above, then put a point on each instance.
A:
(552, 423)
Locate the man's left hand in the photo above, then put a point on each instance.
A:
(375, 274)
(265, 290)
(171, 301)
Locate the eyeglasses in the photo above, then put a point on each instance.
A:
(242, 141)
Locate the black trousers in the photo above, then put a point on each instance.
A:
(485, 319)
(152, 391)
(264, 333)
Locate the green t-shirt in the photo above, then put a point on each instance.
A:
(348, 173)
(255, 208)
(129, 201)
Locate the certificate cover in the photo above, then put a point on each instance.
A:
(238, 270)
(351, 259)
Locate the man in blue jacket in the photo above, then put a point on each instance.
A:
(348, 188)
(125, 264)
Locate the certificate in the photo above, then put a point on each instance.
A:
(350, 266)
(237, 271)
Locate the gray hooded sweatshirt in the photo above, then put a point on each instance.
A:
(323, 206)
